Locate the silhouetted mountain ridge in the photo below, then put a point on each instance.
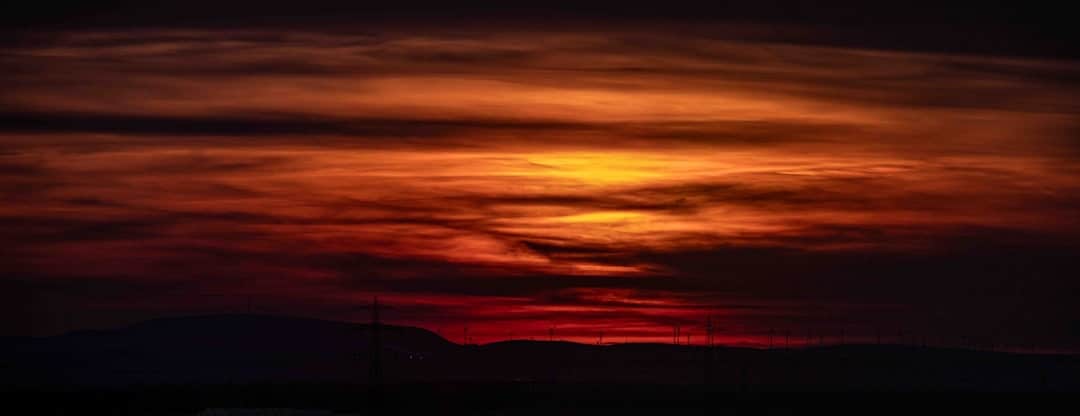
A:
(211, 348)
(228, 349)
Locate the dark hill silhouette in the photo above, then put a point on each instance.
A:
(211, 349)
(223, 349)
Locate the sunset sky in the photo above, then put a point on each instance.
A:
(614, 177)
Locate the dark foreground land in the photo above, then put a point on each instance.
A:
(188, 365)
(518, 399)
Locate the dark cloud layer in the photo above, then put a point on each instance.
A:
(987, 27)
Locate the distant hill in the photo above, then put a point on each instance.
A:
(210, 349)
(224, 349)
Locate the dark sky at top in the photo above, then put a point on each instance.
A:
(988, 27)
